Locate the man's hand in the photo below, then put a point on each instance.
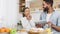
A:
(50, 24)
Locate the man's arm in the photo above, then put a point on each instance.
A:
(56, 27)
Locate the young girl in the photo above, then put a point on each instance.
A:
(27, 20)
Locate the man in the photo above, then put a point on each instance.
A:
(52, 17)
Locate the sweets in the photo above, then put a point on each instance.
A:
(22, 30)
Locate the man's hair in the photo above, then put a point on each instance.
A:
(49, 2)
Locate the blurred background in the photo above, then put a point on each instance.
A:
(11, 10)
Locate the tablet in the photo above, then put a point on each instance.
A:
(42, 22)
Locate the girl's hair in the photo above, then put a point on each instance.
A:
(24, 11)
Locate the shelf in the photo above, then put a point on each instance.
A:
(21, 5)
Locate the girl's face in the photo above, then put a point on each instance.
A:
(27, 12)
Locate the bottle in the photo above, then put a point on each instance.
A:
(19, 25)
(48, 29)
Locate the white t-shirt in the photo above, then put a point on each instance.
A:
(48, 17)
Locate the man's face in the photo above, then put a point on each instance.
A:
(45, 6)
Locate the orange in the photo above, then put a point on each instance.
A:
(7, 30)
(2, 30)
